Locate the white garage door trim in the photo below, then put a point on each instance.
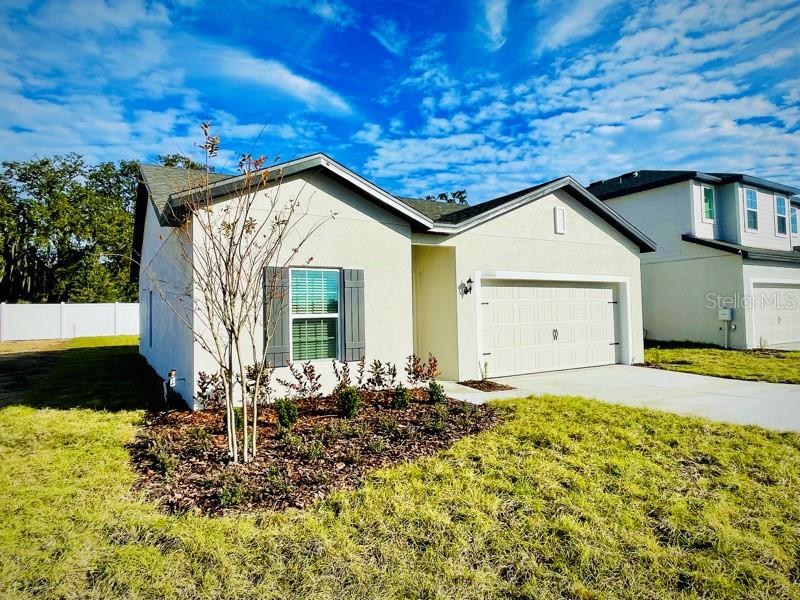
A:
(625, 307)
(751, 311)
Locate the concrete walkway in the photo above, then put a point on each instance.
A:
(771, 405)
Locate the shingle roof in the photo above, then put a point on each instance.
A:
(162, 181)
(639, 181)
(750, 252)
(431, 208)
(442, 212)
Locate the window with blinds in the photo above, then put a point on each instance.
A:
(315, 313)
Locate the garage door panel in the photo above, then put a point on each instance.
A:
(519, 338)
(776, 313)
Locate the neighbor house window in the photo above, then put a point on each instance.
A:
(794, 220)
(751, 210)
(315, 313)
(709, 212)
(780, 215)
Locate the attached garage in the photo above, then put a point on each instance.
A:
(532, 326)
(776, 309)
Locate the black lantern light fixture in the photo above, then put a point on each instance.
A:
(468, 286)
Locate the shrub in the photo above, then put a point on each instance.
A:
(286, 410)
(306, 385)
(238, 417)
(348, 402)
(435, 392)
(313, 450)
(419, 372)
(232, 489)
(278, 480)
(387, 425)
(210, 390)
(342, 376)
(352, 457)
(436, 422)
(401, 398)
(292, 442)
(376, 445)
(200, 440)
(159, 450)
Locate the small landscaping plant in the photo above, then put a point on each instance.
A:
(286, 411)
(401, 398)
(348, 402)
(436, 392)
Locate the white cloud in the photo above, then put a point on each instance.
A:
(495, 17)
(389, 35)
(234, 63)
(573, 22)
(679, 87)
(370, 134)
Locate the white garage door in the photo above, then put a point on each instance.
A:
(530, 327)
(777, 313)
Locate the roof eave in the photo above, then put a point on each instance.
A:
(645, 243)
(749, 253)
(228, 186)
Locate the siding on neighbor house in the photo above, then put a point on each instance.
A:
(728, 211)
(525, 240)
(361, 236)
(766, 236)
(663, 214)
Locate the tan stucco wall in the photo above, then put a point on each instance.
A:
(524, 240)
(362, 236)
(435, 298)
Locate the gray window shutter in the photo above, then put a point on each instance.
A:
(276, 295)
(353, 292)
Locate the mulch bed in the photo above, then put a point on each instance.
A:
(182, 461)
(485, 385)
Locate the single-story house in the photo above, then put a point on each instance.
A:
(545, 278)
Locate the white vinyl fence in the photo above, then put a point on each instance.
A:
(58, 321)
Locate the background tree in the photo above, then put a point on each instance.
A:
(183, 162)
(456, 197)
(66, 230)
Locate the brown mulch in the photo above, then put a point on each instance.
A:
(485, 385)
(181, 456)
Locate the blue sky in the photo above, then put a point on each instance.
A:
(418, 96)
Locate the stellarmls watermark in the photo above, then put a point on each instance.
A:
(763, 300)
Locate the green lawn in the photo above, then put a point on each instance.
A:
(569, 499)
(752, 365)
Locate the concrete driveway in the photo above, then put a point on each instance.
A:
(772, 405)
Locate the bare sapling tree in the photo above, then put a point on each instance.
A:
(227, 244)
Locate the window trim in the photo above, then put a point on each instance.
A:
(784, 216)
(336, 315)
(713, 219)
(747, 228)
(794, 220)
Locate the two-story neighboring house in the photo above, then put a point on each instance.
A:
(725, 240)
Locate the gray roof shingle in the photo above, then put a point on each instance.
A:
(162, 181)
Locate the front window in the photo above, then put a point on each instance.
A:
(315, 314)
(751, 208)
(709, 212)
(780, 215)
(794, 221)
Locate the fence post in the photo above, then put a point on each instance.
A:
(61, 321)
(116, 318)
(2, 321)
